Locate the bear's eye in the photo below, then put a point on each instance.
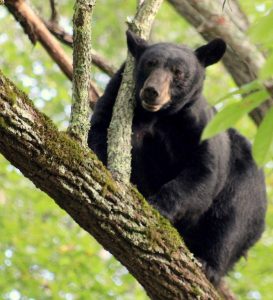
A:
(177, 72)
(151, 63)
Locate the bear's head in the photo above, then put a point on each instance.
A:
(169, 76)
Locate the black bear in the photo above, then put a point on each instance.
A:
(211, 191)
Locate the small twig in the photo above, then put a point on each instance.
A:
(82, 29)
(223, 5)
(54, 13)
(66, 38)
(59, 33)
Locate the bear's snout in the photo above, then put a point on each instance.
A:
(156, 90)
(150, 94)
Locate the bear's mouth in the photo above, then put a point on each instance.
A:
(151, 107)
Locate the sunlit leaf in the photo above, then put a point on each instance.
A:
(263, 144)
(267, 70)
(250, 87)
(231, 114)
(260, 31)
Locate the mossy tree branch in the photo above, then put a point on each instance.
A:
(120, 129)
(115, 214)
(82, 30)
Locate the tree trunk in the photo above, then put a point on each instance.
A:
(120, 128)
(116, 215)
(243, 60)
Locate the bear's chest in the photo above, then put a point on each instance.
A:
(153, 142)
(159, 152)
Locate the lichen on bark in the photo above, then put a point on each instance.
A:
(115, 214)
(82, 59)
(120, 129)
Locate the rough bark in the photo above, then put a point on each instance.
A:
(120, 129)
(82, 31)
(37, 31)
(115, 214)
(243, 59)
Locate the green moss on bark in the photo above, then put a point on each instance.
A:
(7, 86)
(2, 122)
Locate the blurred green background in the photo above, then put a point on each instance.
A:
(43, 253)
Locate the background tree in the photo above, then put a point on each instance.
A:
(30, 260)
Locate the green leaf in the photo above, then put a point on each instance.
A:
(267, 69)
(263, 144)
(231, 114)
(260, 32)
(250, 87)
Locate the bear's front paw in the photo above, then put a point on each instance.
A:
(211, 273)
(153, 201)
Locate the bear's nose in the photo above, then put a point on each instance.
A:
(150, 94)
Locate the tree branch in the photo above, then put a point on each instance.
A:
(243, 60)
(236, 14)
(82, 31)
(120, 128)
(37, 31)
(115, 214)
(54, 14)
(97, 59)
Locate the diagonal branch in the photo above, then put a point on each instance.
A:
(115, 214)
(37, 31)
(243, 59)
(66, 38)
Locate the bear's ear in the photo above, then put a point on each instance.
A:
(136, 45)
(211, 53)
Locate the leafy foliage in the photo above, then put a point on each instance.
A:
(252, 94)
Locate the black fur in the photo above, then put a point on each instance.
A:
(211, 191)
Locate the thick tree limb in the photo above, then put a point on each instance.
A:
(66, 38)
(37, 31)
(120, 128)
(243, 60)
(82, 31)
(115, 214)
